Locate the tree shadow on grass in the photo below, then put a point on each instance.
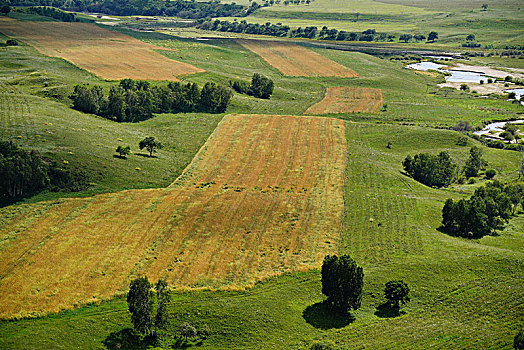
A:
(385, 310)
(145, 155)
(119, 157)
(126, 339)
(323, 316)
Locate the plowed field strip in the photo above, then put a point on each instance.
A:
(108, 54)
(295, 60)
(263, 197)
(345, 99)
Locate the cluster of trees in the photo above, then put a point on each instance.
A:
(155, 325)
(27, 172)
(343, 283)
(440, 170)
(134, 101)
(280, 30)
(487, 210)
(260, 87)
(431, 170)
(177, 8)
(52, 13)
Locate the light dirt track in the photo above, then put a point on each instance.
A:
(264, 196)
(107, 54)
(295, 60)
(346, 99)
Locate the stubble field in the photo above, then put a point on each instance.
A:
(347, 99)
(295, 60)
(264, 196)
(107, 54)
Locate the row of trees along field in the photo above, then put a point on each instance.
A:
(325, 33)
(47, 12)
(485, 211)
(134, 101)
(27, 172)
(177, 8)
(440, 170)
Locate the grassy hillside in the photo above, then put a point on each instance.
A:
(86, 141)
(464, 293)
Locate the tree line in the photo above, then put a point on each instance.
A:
(176, 8)
(134, 101)
(27, 172)
(311, 32)
(485, 211)
(52, 13)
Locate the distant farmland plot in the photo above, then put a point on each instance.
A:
(295, 60)
(107, 54)
(346, 99)
(264, 196)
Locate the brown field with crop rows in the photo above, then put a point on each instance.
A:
(262, 197)
(107, 54)
(296, 60)
(346, 99)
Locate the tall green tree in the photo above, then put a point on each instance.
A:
(342, 282)
(163, 297)
(140, 303)
(474, 162)
(214, 98)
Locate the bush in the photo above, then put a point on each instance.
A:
(472, 180)
(462, 141)
(11, 42)
(490, 174)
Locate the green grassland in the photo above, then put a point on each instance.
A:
(465, 293)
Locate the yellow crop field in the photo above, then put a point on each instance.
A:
(262, 197)
(346, 99)
(107, 54)
(296, 60)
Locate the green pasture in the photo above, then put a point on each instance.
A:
(465, 293)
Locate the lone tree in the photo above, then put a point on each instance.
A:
(405, 37)
(163, 297)
(396, 292)
(123, 151)
(432, 36)
(342, 282)
(150, 144)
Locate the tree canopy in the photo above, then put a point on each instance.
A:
(431, 170)
(487, 209)
(396, 292)
(342, 282)
(150, 144)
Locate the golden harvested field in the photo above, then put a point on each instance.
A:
(107, 54)
(262, 197)
(296, 60)
(346, 99)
